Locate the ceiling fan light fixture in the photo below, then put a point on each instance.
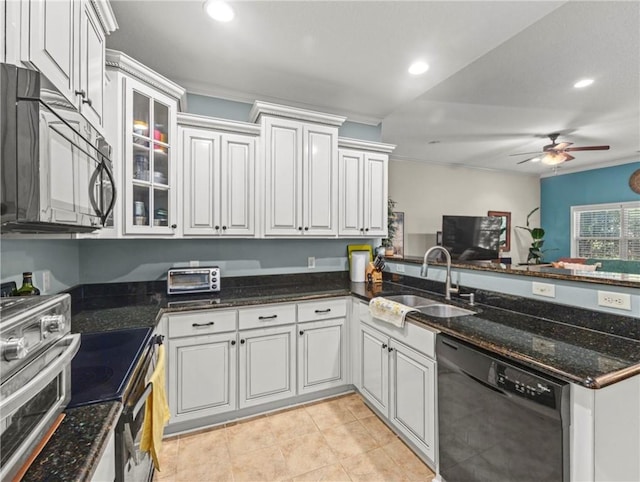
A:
(219, 10)
(418, 67)
(553, 158)
(583, 83)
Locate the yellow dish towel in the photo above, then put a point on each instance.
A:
(389, 311)
(156, 414)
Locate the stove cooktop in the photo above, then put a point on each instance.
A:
(103, 365)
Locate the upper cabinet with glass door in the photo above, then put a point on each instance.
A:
(145, 118)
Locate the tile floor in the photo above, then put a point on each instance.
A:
(339, 439)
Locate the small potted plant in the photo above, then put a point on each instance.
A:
(387, 242)
(536, 253)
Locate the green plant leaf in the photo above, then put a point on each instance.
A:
(537, 233)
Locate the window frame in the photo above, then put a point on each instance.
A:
(623, 252)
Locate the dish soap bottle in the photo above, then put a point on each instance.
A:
(27, 288)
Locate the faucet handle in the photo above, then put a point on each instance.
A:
(471, 297)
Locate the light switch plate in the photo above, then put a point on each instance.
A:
(400, 268)
(544, 289)
(311, 262)
(194, 263)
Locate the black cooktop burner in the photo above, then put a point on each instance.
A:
(103, 365)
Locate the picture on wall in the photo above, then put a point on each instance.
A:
(505, 229)
(398, 238)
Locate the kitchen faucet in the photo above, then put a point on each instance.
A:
(447, 283)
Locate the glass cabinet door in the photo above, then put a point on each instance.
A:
(149, 158)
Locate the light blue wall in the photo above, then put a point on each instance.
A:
(149, 259)
(239, 111)
(559, 193)
(59, 257)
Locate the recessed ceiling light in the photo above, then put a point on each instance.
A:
(418, 67)
(219, 10)
(583, 83)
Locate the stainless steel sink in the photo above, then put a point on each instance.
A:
(440, 310)
(411, 300)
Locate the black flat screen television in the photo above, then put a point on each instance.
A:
(471, 238)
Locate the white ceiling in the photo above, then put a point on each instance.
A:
(501, 74)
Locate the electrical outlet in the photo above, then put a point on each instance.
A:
(194, 263)
(544, 289)
(610, 299)
(46, 281)
(311, 262)
(400, 268)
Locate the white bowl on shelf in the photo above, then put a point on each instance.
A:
(159, 177)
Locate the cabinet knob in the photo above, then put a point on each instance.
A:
(301, 332)
(81, 93)
(217, 227)
(361, 229)
(89, 102)
(306, 228)
(242, 342)
(174, 226)
(384, 345)
(366, 229)
(233, 342)
(299, 228)
(224, 228)
(390, 349)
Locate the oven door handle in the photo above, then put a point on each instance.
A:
(141, 401)
(129, 442)
(13, 401)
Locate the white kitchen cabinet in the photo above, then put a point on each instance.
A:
(65, 40)
(267, 366)
(202, 359)
(141, 120)
(412, 400)
(363, 182)
(322, 353)
(218, 182)
(374, 366)
(300, 171)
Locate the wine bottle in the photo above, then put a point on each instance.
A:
(27, 288)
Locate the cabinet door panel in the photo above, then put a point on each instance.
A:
(237, 185)
(375, 195)
(351, 214)
(201, 158)
(52, 42)
(320, 180)
(321, 352)
(92, 65)
(374, 367)
(283, 142)
(267, 365)
(202, 374)
(413, 396)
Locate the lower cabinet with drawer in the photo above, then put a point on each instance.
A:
(397, 377)
(202, 369)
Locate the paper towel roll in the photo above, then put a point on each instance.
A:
(359, 260)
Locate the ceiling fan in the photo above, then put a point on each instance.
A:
(554, 154)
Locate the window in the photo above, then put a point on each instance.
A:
(606, 231)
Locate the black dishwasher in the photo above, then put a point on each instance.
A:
(498, 421)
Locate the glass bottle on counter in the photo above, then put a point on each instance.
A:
(27, 288)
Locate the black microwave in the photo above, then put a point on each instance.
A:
(56, 175)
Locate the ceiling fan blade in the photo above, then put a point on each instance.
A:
(562, 146)
(567, 157)
(587, 148)
(527, 160)
(524, 154)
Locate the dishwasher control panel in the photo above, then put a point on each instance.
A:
(525, 385)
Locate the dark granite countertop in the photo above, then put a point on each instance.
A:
(76, 446)
(581, 346)
(539, 271)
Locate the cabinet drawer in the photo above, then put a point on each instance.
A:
(268, 315)
(201, 323)
(322, 310)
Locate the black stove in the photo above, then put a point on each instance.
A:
(104, 365)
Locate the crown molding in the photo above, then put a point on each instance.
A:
(261, 108)
(195, 120)
(105, 15)
(121, 61)
(349, 143)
